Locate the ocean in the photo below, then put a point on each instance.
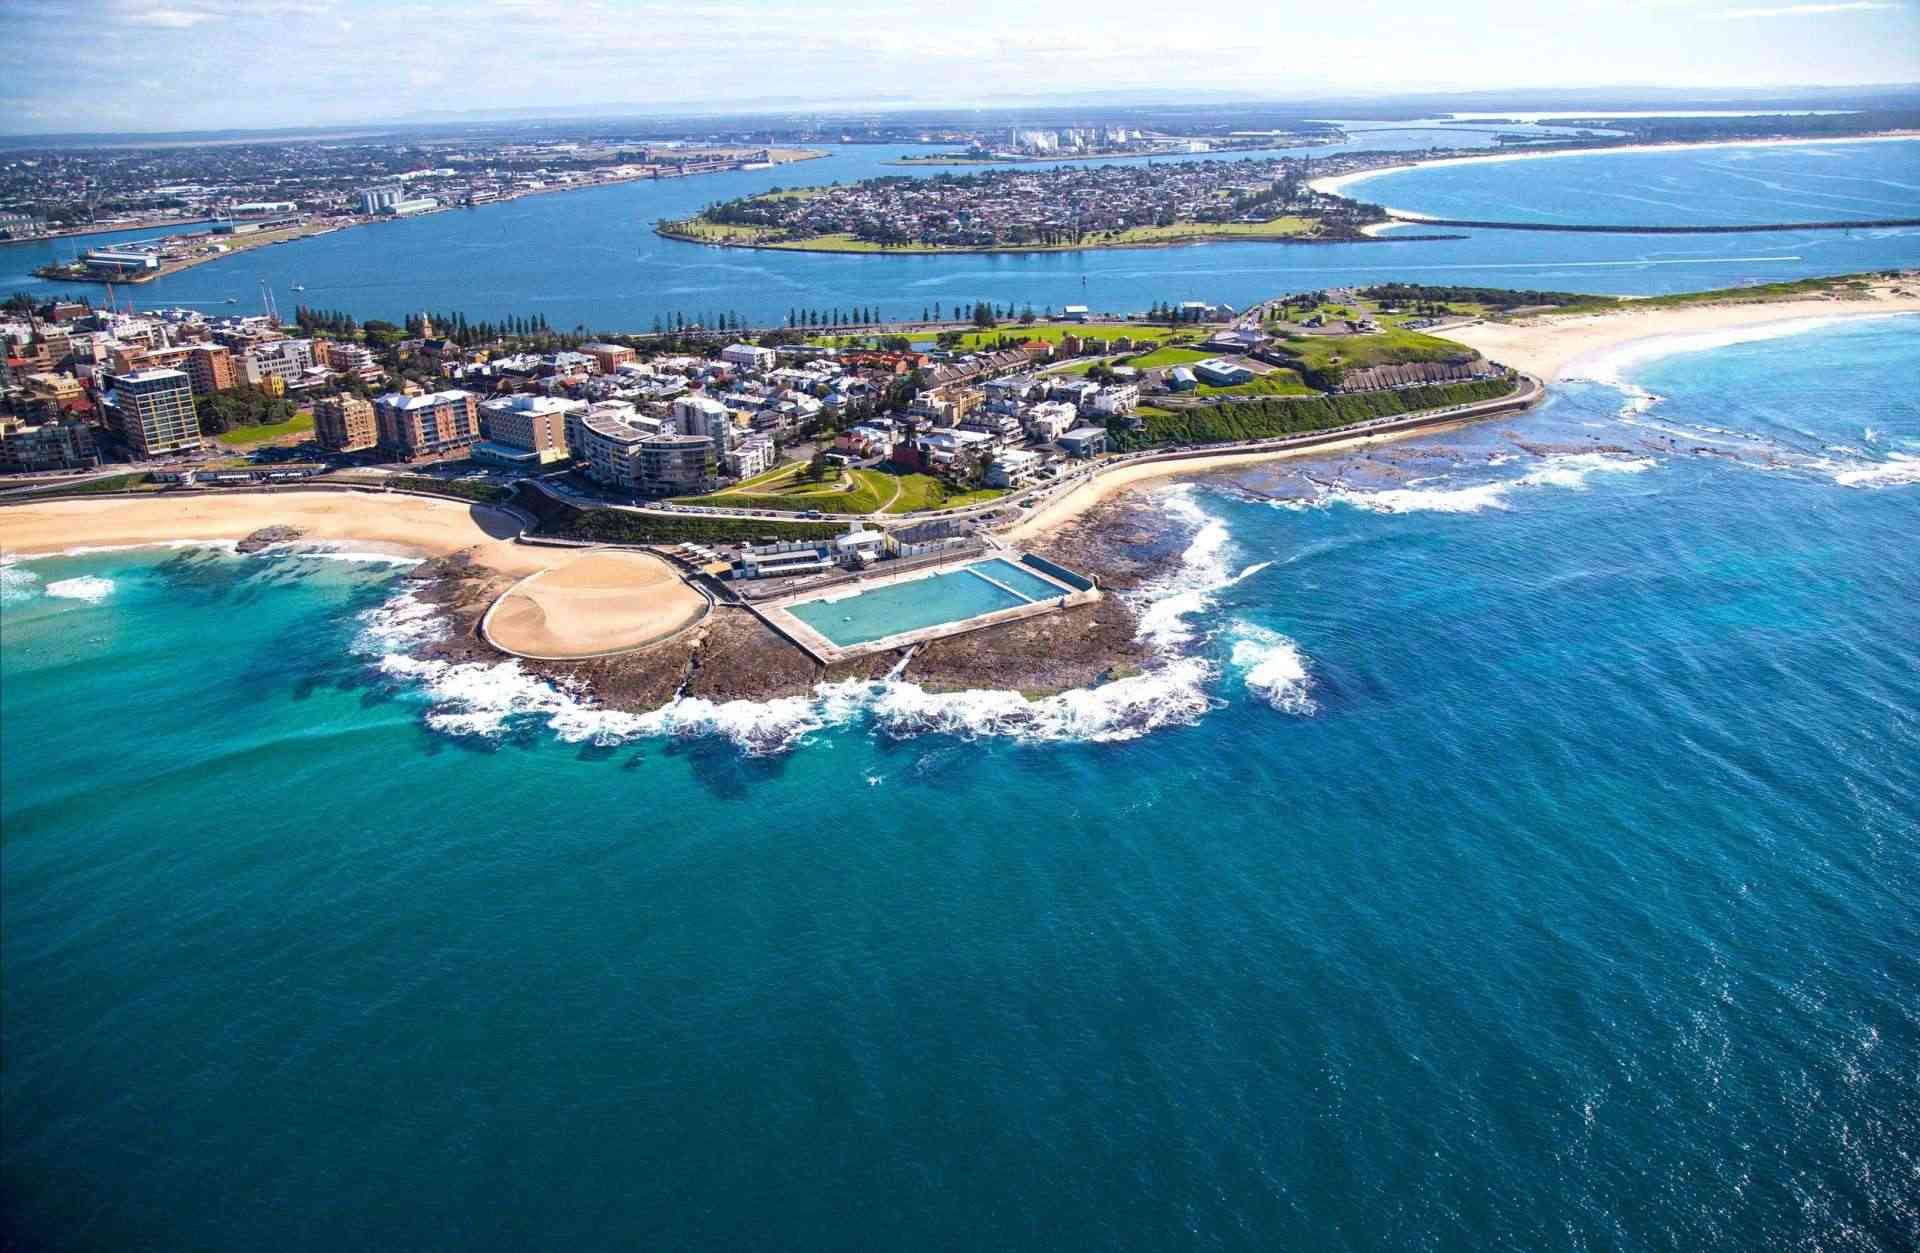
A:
(1515, 847)
(590, 259)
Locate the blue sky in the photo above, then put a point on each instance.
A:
(81, 65)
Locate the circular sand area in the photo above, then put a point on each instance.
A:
(603, 601)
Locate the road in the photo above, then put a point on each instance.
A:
(1037, 498)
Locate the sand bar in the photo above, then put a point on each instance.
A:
(602, 601)
(1336, 184)
(436, 528)
(1577, 345)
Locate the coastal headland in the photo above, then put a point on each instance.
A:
(636, 630)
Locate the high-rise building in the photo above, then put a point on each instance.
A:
(344, 423)
(152, 410)
(210, 369)
(427, 426)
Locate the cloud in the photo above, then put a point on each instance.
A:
(1807, 10)
(168, 19)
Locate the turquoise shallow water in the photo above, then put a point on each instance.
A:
(1513, 850)
(590, 258)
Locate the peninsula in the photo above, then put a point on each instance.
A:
(984, 540)
(1062, 208)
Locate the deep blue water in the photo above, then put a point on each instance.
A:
(590, 258)
(1515, 849)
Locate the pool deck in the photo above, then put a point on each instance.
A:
(823, 650)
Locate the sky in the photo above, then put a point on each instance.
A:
(164, 65)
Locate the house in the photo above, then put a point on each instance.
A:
(1074, 313)
(1085, 441)
(1015, 467)
(1180, 379)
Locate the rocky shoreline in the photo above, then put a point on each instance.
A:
(732, 655)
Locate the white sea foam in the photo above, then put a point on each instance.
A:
(485, 698)
(87, 550)
(88, 587)
(1569, 471)
(1898, 470)
(17, 583)
(1204, 571)
(319, 552)
(1274, 668)
(402, 622)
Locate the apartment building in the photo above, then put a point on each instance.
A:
(152, 411)
(210, 369)
(434, 425)
(674, 465)
(345, 423)
(529, 424)
(58, 445)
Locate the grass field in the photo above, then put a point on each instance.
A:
(299, 424)
(705, 230)
(1169, 356)
(1391, 346)
(844, 492)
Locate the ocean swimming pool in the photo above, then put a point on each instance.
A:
(916, 604)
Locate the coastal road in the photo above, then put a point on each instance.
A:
(1530, 392)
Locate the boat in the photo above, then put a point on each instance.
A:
(299, 287)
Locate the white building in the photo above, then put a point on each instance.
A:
(1119, 398)
(748, 357)
(1050, 420)
(1014, 467)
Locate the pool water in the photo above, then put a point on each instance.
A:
(1020, 579)
(951, 596)
(908, 606)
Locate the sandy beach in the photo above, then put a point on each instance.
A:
(434, 528)
(1551, 347)
(599, 602)
(1336, 184)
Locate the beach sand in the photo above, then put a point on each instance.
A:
(1551, 347)
(598, 603)
(436, 528)
(1336, 184)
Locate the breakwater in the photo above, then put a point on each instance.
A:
(1597, 228)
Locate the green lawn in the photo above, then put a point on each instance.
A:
(1392, 345)
(298, 424)
(1168, 356)
(844, 492)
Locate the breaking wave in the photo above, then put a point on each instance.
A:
(88, 587)
(1569, 471)
(486, 698)
(1897, 470)
(1274, 668)
(17, 583)
(1204, 571)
